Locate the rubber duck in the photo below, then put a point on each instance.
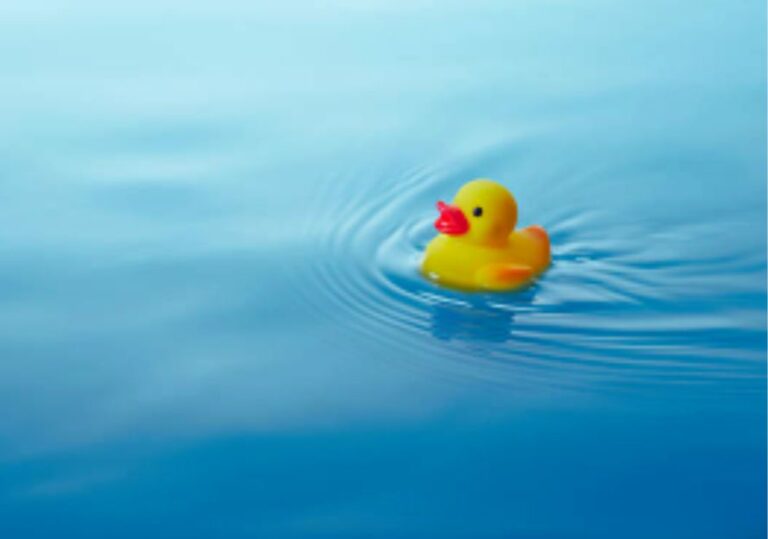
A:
(478, 247)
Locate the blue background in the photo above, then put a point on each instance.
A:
(211, 319)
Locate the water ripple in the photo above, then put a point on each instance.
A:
(625, 304)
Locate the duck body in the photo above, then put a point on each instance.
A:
(478, 247)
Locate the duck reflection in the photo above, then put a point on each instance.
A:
(480, 320)
(468, 323)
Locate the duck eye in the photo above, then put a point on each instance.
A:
(477, 212)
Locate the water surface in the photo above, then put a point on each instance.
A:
(211, 318)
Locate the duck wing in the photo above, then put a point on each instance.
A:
(503, 276)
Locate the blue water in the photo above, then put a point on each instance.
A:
(211, 319)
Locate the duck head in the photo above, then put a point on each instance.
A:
(482, 212)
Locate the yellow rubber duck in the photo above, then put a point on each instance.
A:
(478, 247)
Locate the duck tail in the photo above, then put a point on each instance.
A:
(542, 239)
